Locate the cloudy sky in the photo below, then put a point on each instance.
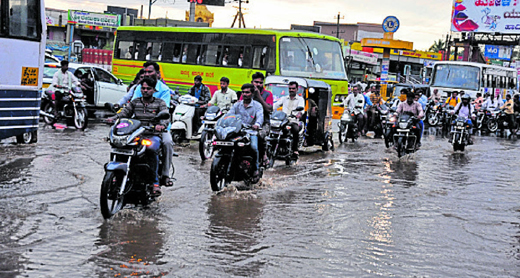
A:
(422, 22)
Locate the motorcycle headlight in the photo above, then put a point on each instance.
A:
(403, 125)
(211, 117)
(276, 123)
(460, 123)
(119, 141)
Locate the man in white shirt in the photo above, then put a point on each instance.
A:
(355, 102)
(288, 104)
(224, 97)
(63, 78)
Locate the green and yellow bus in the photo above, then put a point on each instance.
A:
(185, 52)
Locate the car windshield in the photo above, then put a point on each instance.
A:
(48, 72)
(316, 58)
(456, 76)
(281, 90)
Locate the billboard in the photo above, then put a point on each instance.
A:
(498, 52)
(486, 16)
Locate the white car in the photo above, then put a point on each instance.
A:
(107, 88)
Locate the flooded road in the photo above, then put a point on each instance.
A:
(355, 212)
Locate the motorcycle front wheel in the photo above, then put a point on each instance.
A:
(218, 173)
(492, 125)
(433, 119)
(270, 156)
(110, 201)
(81, 119)
(341, 134)
(205, 146)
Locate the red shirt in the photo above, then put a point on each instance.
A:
(269, 100)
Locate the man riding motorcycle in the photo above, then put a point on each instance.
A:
(413, 107)
(224, 97)
(145, 109)
(356, 103)
(464, 109)
(290, 103)
(252, 113)
(63, 77)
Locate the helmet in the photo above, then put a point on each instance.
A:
(466, 97)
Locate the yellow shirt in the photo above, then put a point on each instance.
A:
(508, 107)
(453, 101)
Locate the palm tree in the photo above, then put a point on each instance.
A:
(437, 46)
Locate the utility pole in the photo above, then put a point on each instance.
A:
(192, 10)
(150, 7)
(239, 15)
(338, 17)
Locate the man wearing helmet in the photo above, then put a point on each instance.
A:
(465, 109)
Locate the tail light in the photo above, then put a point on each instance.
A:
(146, 142)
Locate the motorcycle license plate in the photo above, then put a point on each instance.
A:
(209, 122)
(224, 143)
(460, 127)
(403, 130)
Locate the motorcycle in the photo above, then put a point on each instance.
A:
(404, 140)
(446, 119)
(233, 160)
(212, 115)
(460, 134)
(280, 139)
(433, 113)
(492, 121)
(182, 120)
(379, 115)
(128, 177)
(348, 125)
(388, 123)
(74, 106)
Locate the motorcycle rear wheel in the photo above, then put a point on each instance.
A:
(110, 202)
(218, 173)
(49, 109)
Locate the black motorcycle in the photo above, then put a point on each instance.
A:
(209, 121)
(234, 158)
(378, 119)
(404, 139)
(460, 134)
(73, 106)
(280, 139)
(433, 113)
(128, 176)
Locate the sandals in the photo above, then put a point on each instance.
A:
(166, 181)
(156, 190)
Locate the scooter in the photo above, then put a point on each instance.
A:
(182, 120)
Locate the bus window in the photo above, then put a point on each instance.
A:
(167, 52)
(259, 56)
(140, 51)
(213, 54)
(192, 52)
(201, 54)
(244, 58)
(125, 50)
(153, 52)
(231, 55)
(271, 65)
(24, 18)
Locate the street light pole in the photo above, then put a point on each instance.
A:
(337, 25)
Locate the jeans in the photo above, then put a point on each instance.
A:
(167, 146)
(421, 127)
(254, 146)
(152, 152)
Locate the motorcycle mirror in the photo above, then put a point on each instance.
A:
(360, 101)
(109, 106)
(163, 115)
(299, 108)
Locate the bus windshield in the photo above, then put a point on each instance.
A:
(315, 58)
(456, 76)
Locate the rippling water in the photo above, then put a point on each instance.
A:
(357, 212)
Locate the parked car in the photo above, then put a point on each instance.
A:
(106, 87)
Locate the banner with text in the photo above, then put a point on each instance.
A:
(94, 19)
(486, 16)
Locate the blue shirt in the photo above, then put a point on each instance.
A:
(367, 101)
(423, 100)
(253, 114)
(162, 92)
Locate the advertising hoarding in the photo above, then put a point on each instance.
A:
(486, 16)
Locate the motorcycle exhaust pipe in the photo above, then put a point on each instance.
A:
(46, 114)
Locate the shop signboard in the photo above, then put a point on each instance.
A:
(94, 19)
(362, 57)
(498, 52)
(486, 16)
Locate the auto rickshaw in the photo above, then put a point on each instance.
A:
(318, 109)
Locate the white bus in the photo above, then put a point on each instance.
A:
(449, 76)
(22, 51)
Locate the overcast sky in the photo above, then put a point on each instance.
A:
(422, 22)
